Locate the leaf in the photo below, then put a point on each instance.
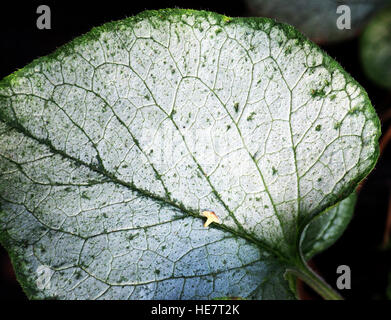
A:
(113, 146)
(375, 49)
(318, 19)
(326, 228)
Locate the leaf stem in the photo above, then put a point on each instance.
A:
(305, 273)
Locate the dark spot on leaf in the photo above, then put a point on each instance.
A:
(251, 116)
(317, 93)
(85, 196)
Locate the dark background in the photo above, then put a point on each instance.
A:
(359, 247)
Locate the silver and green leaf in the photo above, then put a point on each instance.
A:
(112, 146)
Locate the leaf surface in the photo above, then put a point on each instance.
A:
(113, 146)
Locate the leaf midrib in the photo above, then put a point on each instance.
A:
(141, 192)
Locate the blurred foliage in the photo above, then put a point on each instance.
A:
(317, 18)
(375, 49)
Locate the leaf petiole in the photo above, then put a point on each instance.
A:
(305, 273)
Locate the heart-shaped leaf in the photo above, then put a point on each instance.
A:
(114, 146)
